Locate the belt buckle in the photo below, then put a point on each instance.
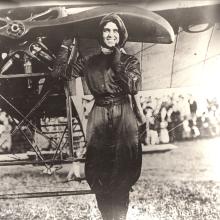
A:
(105, 102)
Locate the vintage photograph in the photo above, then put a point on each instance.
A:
(109, 110)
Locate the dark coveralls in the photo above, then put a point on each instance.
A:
(114, 155)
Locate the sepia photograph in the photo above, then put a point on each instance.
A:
(109, 110)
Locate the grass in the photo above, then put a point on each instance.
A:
(167, 189)
(151, 199)
(177, 200)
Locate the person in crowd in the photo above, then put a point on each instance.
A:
(152, 137)
(163, 132)
(114, 156)
(213, 121)
(192, 106)
(194, 127)
(203, 125)
(183, 107)
(187, 133)
(171, 125)
(177, 127)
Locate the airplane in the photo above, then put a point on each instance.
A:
(31, 34)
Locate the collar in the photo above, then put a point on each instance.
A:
(106, 51)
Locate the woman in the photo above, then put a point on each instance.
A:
(113, 158)
(164, 135)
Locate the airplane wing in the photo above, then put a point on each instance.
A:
(188, 13)
(151, 27)
(193, 58)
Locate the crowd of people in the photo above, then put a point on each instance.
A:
(176, 118)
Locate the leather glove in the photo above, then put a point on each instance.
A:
(59, 68)
(116, 59)
(67, 42)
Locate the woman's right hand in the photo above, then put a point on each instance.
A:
(60, 63)
(67, 42)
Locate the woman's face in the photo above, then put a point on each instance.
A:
(110, 34)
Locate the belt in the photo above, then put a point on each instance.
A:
(107, 101)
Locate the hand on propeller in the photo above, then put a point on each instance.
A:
(60, 64)
(67, 42)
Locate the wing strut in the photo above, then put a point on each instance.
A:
(45, 194)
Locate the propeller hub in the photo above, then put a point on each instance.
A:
(16, 29)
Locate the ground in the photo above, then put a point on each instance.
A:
(180, 184)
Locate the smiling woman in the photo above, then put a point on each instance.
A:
(110, 35)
